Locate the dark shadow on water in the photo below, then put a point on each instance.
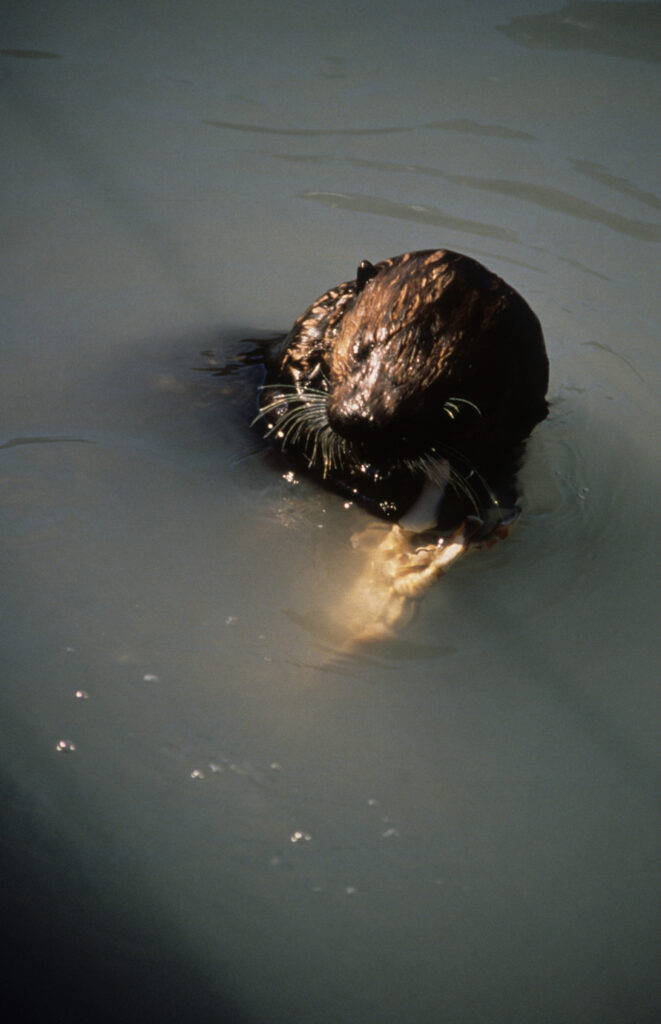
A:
(631, 30)
(72, 953)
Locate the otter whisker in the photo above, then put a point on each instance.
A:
(306, 390)
(294, 397)
(317, 415)
(442, 473)
(308, 409)
(325, 453)
(315, 448)
(290, 416)
(464, 401)
(438, 471)
(339, 448)
(292, 433)
(304, 423)
(461, 487)
(481, 496)
(286, 400)
(459, 484)
(314, 444)
(429, 466)
(336, 448)
(308, 427)
(460, 473)
(265, 410)
(295, 428)
(326, 441)
(452, 406)
(277, 387)
(494, 502)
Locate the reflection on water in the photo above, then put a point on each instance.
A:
(13, 441)
(620, 29)
(243, 820)
(30, 54)
(599, 173)
(304, 132)
(467, 126)
(461, 124)
(544, 196)
(416, 212)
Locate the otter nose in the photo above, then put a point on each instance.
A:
(369, 429)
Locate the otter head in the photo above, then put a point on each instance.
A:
(402, 366)
(426, 366)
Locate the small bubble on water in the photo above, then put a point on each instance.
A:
(197, 774)
(149, 677)
(82, 695)
(65, 747)
(274, 766)
(300, 837)
(583, 493)
(350, 890)
(390, 833)
(290, 477)
(372, 802)
(231, 620)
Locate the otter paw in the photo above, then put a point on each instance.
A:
(426, 564)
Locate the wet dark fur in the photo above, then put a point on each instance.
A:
(422, 357)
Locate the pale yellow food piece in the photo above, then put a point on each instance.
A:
(396, 572)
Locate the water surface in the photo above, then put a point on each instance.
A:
(210, 811)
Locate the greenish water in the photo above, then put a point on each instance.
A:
(209, 813)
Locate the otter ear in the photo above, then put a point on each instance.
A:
(366, 271)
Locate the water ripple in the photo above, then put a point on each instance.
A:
(546, 197)
(420, 214)
(303, 132)
(466, 126)
(13, 442)
(597, 172)
(559, 201)
(31, 54)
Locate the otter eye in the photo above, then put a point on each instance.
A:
(361, 348)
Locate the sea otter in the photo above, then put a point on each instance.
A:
(412, 388)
